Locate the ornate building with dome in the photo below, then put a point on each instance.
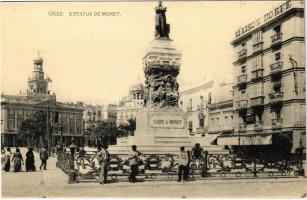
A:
(131, 104)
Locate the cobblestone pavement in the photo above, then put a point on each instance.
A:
(53, 183)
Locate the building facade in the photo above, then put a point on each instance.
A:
(64, 120)
(208, 107)
(131, 104)
(220, 110)
(194, 103)
(269, 76)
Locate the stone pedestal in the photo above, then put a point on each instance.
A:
(162, 132)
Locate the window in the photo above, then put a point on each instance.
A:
(201, 122)
(11, 118)
(277, 56)
(190, 104)
(257, 37)
(242, 94)
(257, 89)
(277, 29)
(190, 126)
(257, 62)
(243, 69)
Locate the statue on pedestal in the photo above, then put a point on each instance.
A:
(161, 67)
(162, 28)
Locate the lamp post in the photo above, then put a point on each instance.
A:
(72, 172)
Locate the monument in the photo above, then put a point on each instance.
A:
(161, 126)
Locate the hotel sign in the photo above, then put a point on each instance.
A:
(261, 20)
(167, 122)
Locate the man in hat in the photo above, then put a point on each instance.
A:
(43, 154)
(102, 157)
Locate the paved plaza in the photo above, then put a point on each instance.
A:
(53, 183)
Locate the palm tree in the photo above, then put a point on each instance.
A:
(34, 128)
(106, 131)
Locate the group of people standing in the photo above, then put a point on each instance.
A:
(17, 159)
(103, 158)
(134, 161)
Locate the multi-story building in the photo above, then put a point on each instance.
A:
(220, 110)
(269, 73)
(64, 120)
(131, 104)
(207, 106)
(194, 102)
(94, 115)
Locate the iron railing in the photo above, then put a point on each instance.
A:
(165, 166)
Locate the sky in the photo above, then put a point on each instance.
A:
(97, 58)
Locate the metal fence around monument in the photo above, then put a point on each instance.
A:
(85, 167)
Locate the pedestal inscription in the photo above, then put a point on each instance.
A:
(167, 122)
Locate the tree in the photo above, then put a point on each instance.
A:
(34, 128)
(127, 128)
(106, 131)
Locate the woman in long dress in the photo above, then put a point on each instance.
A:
(30, 160)
(17, 158)
(7, 160)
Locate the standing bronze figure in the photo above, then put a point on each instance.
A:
(162, 28)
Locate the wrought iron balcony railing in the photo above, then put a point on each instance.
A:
(242, 55)
(258, 73)
(276, 38)
(276, 97)
(242, 104)
(257, 101)
(258, 47)
(276, 67)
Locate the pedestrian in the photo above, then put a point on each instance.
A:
(197, 152)
(18, 160)
(183, 165)
(30, 160)
(7, 160)
(82, 153)
(102, 157)
(134, 164)
(198, 156)
(43, 154)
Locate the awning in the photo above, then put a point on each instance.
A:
(251, 139)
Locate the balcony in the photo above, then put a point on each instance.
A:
(242, 105)
(257, 101)
(276, 68)
(242, 79)
(276, 39)
(276, 84)
(242, 55)
(242, 127)
(257, 74)
(276, 123)
(276, 97)
(258, 126)
(257, 47)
